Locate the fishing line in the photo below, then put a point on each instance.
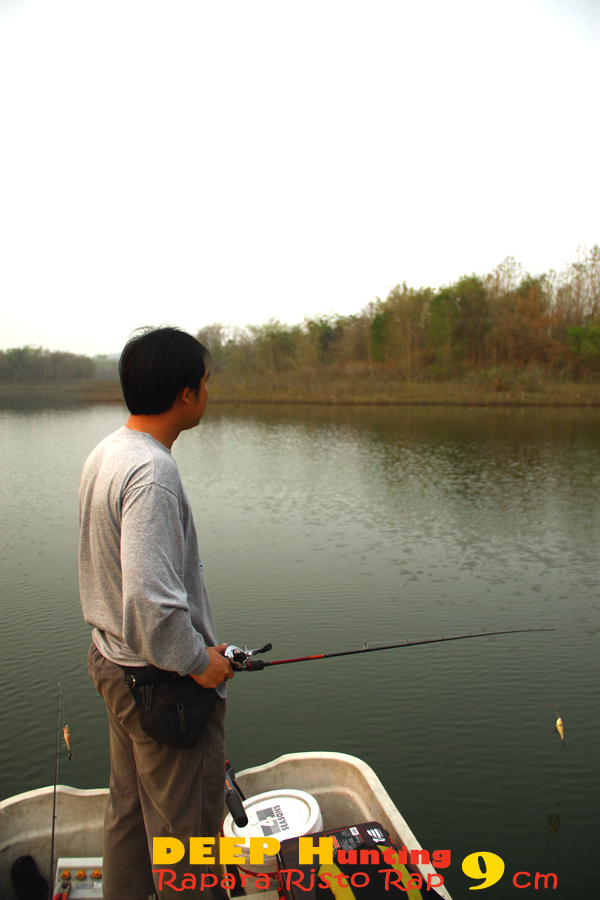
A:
(556, 671)
(560, 725)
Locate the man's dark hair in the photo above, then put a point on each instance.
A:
(157, 363)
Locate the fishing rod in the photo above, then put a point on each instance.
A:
(50, 883)
(242, 660)
(66, 732)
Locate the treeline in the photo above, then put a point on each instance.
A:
(36, 365)
(507, 319)
(480, 326)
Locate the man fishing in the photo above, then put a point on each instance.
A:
(143, 592)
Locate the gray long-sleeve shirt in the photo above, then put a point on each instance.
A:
(140, 576)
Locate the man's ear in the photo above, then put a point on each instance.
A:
(183, 396)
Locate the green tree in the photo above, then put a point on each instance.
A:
(333, 338)
(473, 320)
(585, 341)
(275, 345)
(444, 317)
(381, 332)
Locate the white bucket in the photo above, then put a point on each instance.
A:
(280, 814)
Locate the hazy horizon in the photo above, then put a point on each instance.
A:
(234, 163)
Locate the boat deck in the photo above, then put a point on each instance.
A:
(346, 789)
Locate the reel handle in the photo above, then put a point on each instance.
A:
(241, 659)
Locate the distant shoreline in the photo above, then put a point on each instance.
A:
(351, 389)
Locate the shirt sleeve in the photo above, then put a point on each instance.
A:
(157, 624)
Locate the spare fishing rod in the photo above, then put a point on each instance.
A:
(242, 660)
(66, 733)
(51, 880)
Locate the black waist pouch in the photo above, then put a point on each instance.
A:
(173, 709)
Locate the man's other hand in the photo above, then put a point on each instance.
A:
(218, 669)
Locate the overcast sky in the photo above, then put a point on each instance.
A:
(189, 161)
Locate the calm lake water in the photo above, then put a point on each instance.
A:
(321, 529)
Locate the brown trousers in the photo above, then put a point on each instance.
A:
(155, 791)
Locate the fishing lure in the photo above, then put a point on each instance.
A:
(561, 729)
(67, 739)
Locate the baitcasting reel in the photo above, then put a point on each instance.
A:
(240, 659)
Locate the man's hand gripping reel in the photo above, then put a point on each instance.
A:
(243, 660)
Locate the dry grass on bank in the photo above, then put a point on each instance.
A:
(93, 389)
(345, 386)
(386, 389)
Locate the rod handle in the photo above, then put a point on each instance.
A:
(236, 808)
(255, 665)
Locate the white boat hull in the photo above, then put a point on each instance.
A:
(347, 789)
